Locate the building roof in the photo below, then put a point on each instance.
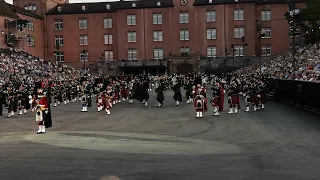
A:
(260, 2)
(20, 10)
(5, 10)
(102, 7)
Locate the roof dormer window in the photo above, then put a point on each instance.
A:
(134, 5)
(108, 6)
(30, 7)
(158, 3)
(236, 0)
(83, 8)
(59, 9)
(210, 1)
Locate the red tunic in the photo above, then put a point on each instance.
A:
(43, 102)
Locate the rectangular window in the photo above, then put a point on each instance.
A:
(265, 15)
(211, 33)
(157, 18)
(184, 50)
(238, 50)
(157, 36)
(132, 36)
(266, 32)
(59, 56)
(211, 51)
(107, 23)
(158, 53)
(30, 26)
(108, 55)
(58, 25)
(83, 40)
(184, 18)
(132, 54)
(266, 50)
(238, 32)
(238, 14)
(83, 24)
(108, 39)
(58, 41)
(131, 20)
(31, 40)
(184, 35)
(84, 56)
(211, 16)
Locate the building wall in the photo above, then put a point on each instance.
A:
(2, 29)
(197, 26)
(37, 33)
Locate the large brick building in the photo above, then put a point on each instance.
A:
(169, 34)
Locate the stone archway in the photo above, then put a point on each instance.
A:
(184, 68)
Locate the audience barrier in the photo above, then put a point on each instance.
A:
(298, 93)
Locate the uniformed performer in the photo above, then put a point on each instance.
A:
(177, 96)
(216, 98)
(200, 101)
(43, 117)
(159, 91)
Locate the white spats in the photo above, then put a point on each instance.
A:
(215, 111)
(20, 112)
(262, 106)
(159, 105)
(198, 114)
(130, 101)
(24, 111)
(39, 130)
(177, 103)
(230, 111)
(235, 110)
(189, 101)
(43, 129)
(247, 109)
(55, 105)
(201, 114)
(254, 108)
(146, 103)
(84, 109)
(65, 102)
(108, 111)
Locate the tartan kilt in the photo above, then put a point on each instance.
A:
(235, 99)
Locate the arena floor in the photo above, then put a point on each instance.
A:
(168, 143)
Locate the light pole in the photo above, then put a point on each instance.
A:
(85, 56)
(233, 53)
(261, 35)
(244, 45)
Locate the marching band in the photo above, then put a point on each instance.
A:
(109, 92)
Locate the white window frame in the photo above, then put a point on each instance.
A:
(132, 54)
(108, 39)
(58, 41)
(30, 41)
(238, 32)
(265, 15)
(131, 20)
(238, 14)
(30, 7)
(83, 40)
(132, 36)
(238, 50)
(59, 56)
(158, 53)
(184, 50)
(108, 55)
(211, 33)
(184, 18)
(58, 25)
(107, 23)
(211, 51)
(84, 56)
(83, 24)
(184, 35)
(157, 36)
(211, 16)
(266, 50)
(30, 26)
(157, 18)
(267, 32)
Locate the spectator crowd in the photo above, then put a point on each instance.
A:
(305, 66)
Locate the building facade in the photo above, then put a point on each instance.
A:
(161, 32)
